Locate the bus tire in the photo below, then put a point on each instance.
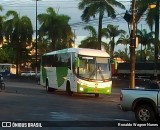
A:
(96, 95)
(68, 89)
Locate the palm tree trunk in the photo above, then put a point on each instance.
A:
(141, 52)
(112, 47)
(145, 53)
(17, 60)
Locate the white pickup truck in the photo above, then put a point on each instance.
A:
(145, 103)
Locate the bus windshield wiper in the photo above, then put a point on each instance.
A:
(91, 74)
(102, 76)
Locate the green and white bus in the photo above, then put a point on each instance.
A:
(79, 70)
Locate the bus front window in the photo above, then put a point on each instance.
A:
(92, 68)
(103, 69)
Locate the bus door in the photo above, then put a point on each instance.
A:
(73, 79)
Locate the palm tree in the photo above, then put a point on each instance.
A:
(145, 55)
(43, 45)
(92, 7)
(113, 32)
(150, 13)
(92, 40)
(1, 26)
(151, 18)
(125, 40)
(18, 33)
(56, 28)
(122, 55)
(146, 39)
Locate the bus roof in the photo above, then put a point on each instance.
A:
(81, 51)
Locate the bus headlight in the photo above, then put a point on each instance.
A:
(108, 91)
(81, 89)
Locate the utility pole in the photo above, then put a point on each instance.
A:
(132, 45)
(36, 68)
(156, 37)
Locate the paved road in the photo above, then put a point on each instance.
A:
(27, 101)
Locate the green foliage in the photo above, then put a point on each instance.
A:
(146, 39)
(113, 31)
(56, 28)
(93, 7)
(150, 13)
(7, 54)
(90, 41)
(122, 54)
(18, 33)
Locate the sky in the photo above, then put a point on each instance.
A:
(67, 7)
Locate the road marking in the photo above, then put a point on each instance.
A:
(121, 120)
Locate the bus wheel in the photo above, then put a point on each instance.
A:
(68, 89)
(96, 95)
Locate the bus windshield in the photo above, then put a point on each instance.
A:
(94, 68)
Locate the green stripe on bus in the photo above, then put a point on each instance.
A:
(61, 73)
(44, 74)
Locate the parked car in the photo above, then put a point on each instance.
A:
(1, 78)
(142, 83)
(28, 73)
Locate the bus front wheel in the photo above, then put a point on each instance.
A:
(68, 89)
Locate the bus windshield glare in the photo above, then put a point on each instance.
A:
(94, 68)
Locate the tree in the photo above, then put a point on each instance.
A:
(92, 40)
(7, 54)
(92, 7)
(146, 39)
(152, 18)
(112, 32)
(18, 33)
(56, 28)
(125, 40)
(43, 45)
(122, 55)
(150, 13)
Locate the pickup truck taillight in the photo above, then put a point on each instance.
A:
(121, 96)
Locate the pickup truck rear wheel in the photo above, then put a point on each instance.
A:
(144, 113)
